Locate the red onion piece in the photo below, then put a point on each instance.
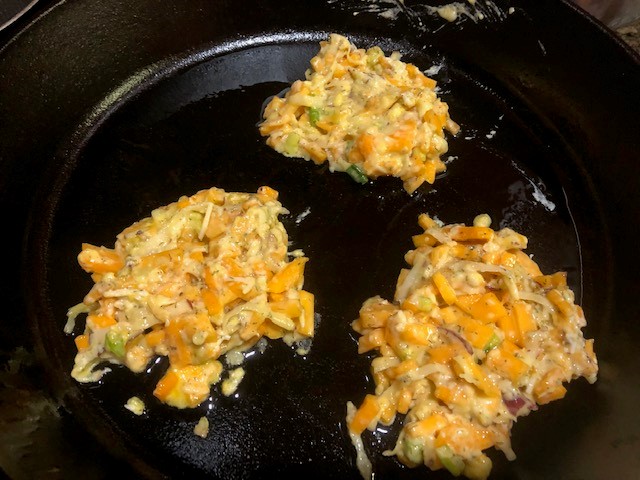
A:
(458, 337)
(516, 404)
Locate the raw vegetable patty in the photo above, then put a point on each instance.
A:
(205, 276)
(365, 113)
(476, 336)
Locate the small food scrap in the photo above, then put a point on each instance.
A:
(448, 12)
(206, 275)
(202, 427)
(230, 385)
(365, 113)
(135, 405)
(476, 336)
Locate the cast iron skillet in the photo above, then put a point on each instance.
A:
(109, 109)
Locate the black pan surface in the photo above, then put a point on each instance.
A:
(109, 109)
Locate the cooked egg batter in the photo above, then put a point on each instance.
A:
(364, 113)
(202, 277)
(476, 336)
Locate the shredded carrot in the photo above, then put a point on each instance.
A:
(471, 234)
(529, 265)
(212, 302)
(101, 321)
(401, 369)
(179, 351)
(465, 302)
(270, 330)
(468, 370)
(268, 192)
(99, 259)
(375, 315)
(286, 278)
(525, 321)
(488, 308)
(418, 334)
(155, 337)
(556, 280)
(427, 427)
(549, 387)
(445, 353)
(373, 339)
(424, 240)
(82, 342)
(507, 364)
(477, 333)
(556, 298)
(509, 325)
(445, 289)
(166, 384)
(425, 221)
(289, 307)
(364, 415)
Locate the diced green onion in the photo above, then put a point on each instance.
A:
(405, 353)
(357, 174)
(114, 342)
(373, 55)
(425, 304)
(314, 115)
(291, 144)
(412, 449)
(493, 342)
(452, 462)
(195, 220)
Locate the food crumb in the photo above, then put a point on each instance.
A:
(135, 405)
(230, 385)
(202, 427)
(235, 358)
(448, 12)
(482, 220)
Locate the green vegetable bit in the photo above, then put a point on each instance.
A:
(425, 304)
(373, 56)
(493, 342)
(195, 220)
(405, 352)
(357, 174)
(114, 342)
(452, 462)
(291, 144)
(314, 115)
(412, 449)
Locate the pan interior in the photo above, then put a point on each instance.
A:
(197, 129)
